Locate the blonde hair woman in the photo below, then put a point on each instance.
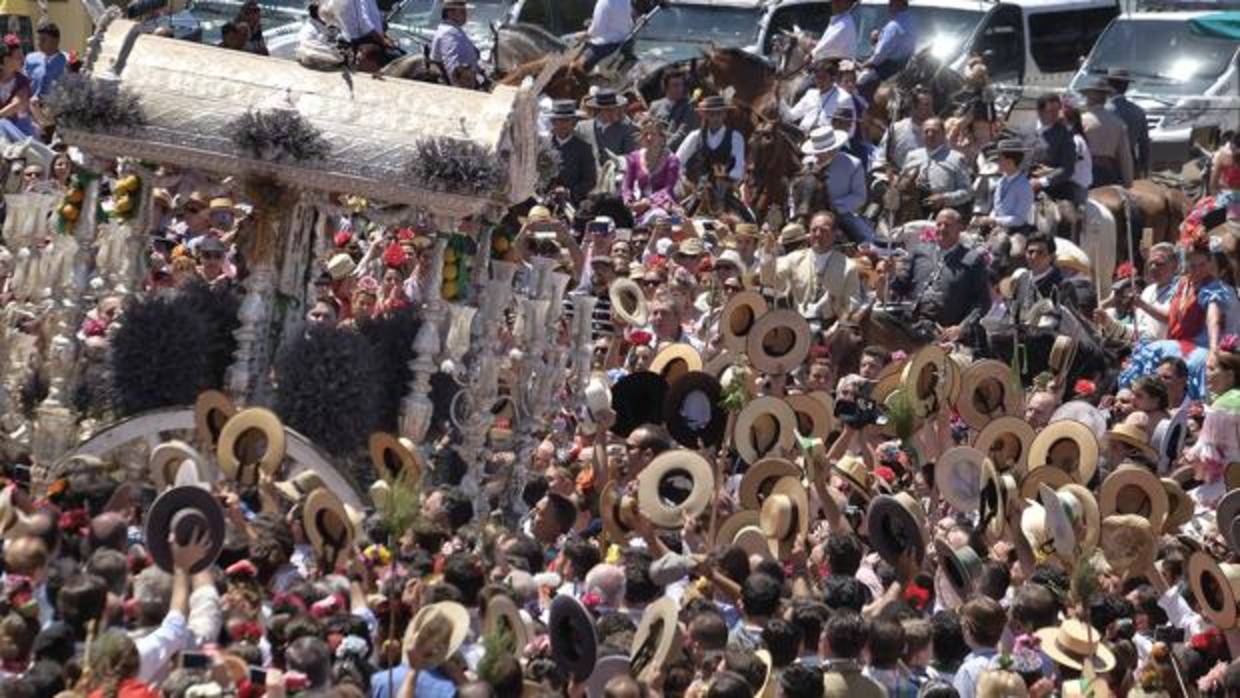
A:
(997, 683)
(651, 172)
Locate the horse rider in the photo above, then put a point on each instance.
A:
(610, 26)
(578, 164)
(940, 174)
(1107, 136)
(845, 120)
(839, 40)
(361, 22)
(674, 108)
(904, 136)
(844, 178)
(811, 272)
(819, 102)
(1054, 156)
(950, 282)
(1012, 202)
(896, 45)
(1134, 118)
(715, 144)
(452, 48)
(1041, 277)
(610, 130)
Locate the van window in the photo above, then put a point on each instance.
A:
(812, 17)
(1001, 44)
(1058, 40)
(557, 16)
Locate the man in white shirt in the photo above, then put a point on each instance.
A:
(819, 103)
(713, 144)
(360, 22)
(840, 38)
(1154, 303)
(610, 27)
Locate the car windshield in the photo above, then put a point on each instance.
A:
(425, 13)
(1164, 58)
(723, 26)
(945, 28)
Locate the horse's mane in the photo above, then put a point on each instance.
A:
(741, 54)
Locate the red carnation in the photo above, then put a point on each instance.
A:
(1084, 388)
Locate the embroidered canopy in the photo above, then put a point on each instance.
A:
(191, 93)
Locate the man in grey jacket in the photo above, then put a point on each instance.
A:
(1134, 118)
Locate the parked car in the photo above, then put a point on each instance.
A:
(1185, 72)
(560, 17)
(1024, 42)
(680, 30)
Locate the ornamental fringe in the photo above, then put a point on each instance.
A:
(451, 165)
(84, 103)
(279, 135)
(547, 164)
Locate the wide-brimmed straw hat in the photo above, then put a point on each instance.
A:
(1074, 644)
(628, 302)
(739, 316)
(237, 453)
(1128, 544)
(328, 526)
(437, 631)
(657, 487)
(212, 410)
(1006, 441)
(167, 458)
(1070, 446)
(815, 417)
(574, 642)
(988, 393)
(675, 360)
(655, 639)
(1133, 436)
(897, 523)
(1132, 489)
(761, 477)
(778, 342)
(765, 424)
(1216, 587)
(925, 378)
(785, 515)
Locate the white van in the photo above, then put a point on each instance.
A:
(1025, 42)
(1185, 72)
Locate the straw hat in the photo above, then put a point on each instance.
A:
(887, 381)
(1034, 479)
(656, 637)
(768, 685)
(765, 424)
(502, 613)
(815, 419)
(693, 411)
(758, 480)
(925, 378)
(1070, 509)
(328, 526)
(1074, 644)
(1216, 587)
(250, 423)
(738, 318)
(1134, 437)
(437, 631)
(675, 360)
(574, 643)
(785, 515)
(745, 518)
(778, 342)
(998, 491)
(753, 541)
(958, 477)
(654, 479)
(1132, 489)
(1180, 506)
(212, 410)
(1006, 442)
(988, 392)
(856, 473)
(1128, 544)
(308, 481)
(628, 302)
(395, 456)
(896, 524)
(167, 458)
(619, 513)
(1070, 446)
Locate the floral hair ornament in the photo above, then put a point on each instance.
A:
(377, 555)
(74, 520)
(242, 569)
(244, 631)
(1229, 343)
(1125, 271)
(1084, 388)
(917, 596)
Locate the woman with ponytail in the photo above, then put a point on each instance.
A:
(114, 667)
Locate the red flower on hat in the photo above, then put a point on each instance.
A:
(242, 569)
(74, 520)
(1125, 271)
(12, 41)
(640, 337)
(342, 238)
(591, 600)
(1084, 388)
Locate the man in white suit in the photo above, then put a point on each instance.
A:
(819, 279)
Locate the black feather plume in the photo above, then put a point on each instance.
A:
(457, 166)
(328, 387)
(391, 335)
(218, 308)
(157, 355)
(92, 104)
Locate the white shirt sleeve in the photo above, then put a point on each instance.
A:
(738, 153)
(839, 40)
(205, 617)
(688, 147)
(612, 21)
(156, 650)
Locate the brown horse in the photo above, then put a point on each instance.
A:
(1153, 206)
(568, 82)
(865, 327)
(774, 158)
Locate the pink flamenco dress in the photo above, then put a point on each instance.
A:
(1217, 445)
(657, 187)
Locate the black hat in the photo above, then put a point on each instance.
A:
(184, 511)
(1011, 145)
(713, 103)
(574, 643)
(48, 27)
(692, 410)
(605, 98)
(637, 399)
(565, 109)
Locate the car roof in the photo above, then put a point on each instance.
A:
(722, 3)
(974, 4)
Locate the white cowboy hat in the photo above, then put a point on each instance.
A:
(824, 139)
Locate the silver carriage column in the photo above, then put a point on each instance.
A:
(416, 409)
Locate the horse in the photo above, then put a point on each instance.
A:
(1152, 205)
(773, 159)
(416, 67)
(714, 195)
(1092, 359)
(521, 43)
(568, 82)
(867, 326)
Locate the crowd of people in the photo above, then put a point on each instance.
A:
(811, 460)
